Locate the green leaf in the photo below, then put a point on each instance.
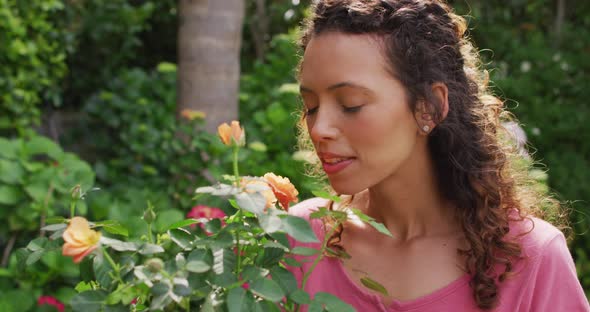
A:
(235, 299)
(378, 226)
(299, 229)
(251, 273)
(292, 262)
(38, 191)
(167, 217)
(183, 238)
(89, 301)
(224, 260)
(181, 224)
(333, 303)
(8, 148)
(102, 271)
(270, 256)
(35, 256)
(300, 296)
(381, 228)
(55, 219)
(319, 213)
(118, 245)
(372, 284)
(326, 195)
(37, 244)
(54, 227)
(181, 288)
(305, 251)
(267, 289)
(40, 145)
(284, 278)
(252, 202)
(150, 249)
(113, 227)
(10, 195)
(11, 172)
(199, 261)
(270, 221)
(160, 288)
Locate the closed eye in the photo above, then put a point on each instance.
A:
(353, 109)
(311, 111)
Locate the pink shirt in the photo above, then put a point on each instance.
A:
(546, 279)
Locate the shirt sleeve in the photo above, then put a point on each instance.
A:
(556, 285)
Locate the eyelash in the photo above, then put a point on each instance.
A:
(349, 110)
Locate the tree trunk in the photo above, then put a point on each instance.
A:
(559, 19)
(209, 40)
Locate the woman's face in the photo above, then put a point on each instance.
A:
(357, 116)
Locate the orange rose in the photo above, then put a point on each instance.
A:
(79, 239)
(233, 134)
(282, 188)
(268, 194)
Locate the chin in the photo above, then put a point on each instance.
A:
(345, 188)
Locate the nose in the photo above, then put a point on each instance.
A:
(323, 126)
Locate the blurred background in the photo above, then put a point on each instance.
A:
(108, 94)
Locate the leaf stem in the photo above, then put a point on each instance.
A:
(235, 163)
(320, 256)
(113, 264)
(150, 234)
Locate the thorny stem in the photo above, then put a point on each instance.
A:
(318, 258)
(44, 211)
(239, 213)
(8, 249)
(150, 238)
(113, 264)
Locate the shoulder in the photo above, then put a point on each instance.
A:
(550, 272)
(537, 237)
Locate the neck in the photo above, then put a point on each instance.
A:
(409, 203)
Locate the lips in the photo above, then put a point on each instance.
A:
(333, 163)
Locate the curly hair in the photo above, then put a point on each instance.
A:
(426, 42)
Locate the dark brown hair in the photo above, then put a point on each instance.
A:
(425, 42)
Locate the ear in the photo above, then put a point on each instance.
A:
(424, 113)
(441, 92)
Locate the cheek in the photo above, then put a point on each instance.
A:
(383, 135)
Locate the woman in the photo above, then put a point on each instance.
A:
(405, 128)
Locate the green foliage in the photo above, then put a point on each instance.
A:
(33, 58)
(139, 138)
(99, 27)
(36, 180)
(233, 263)
(269, 96)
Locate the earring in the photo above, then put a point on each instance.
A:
(426, 128)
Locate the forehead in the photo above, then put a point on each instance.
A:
(333, 57)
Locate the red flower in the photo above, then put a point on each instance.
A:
(201, 212)
(49, 300)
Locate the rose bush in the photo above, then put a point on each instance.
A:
(227, 263)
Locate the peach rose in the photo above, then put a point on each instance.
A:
(282, 188)
(268, 193)
(79, 239)
(233, 134)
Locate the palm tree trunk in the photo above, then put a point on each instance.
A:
(209, 41)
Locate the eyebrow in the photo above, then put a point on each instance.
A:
(337, 86)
